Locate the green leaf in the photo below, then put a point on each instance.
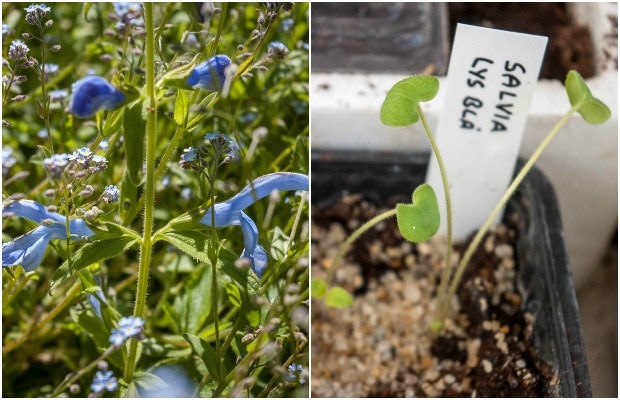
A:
(41, 110)
(97, 331)
(200, 112)
(244, 66)
(233, 293)
(177, 78)
(89, 254)
(135, 127)
(181, 108)
(338, 297)
(318, 287)
(206, 353)
(113, 122)
(591, 109)
(86, 9)
(279, 241)
(419, 221)
(149, 381)
(194, 243)
(194, 306)
(400, 105)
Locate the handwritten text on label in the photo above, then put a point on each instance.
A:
(472, 105)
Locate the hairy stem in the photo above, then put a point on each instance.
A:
(147, 242)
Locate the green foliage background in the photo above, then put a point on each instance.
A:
(56, 330)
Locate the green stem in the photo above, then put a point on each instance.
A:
(147, 242)
(220, 28)
(358, 232)
(498, 208)
(445, 275)
(213, 256)
(73, 378)
(295, 224)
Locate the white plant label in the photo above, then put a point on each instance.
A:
(490, 83)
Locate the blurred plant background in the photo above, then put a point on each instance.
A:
(49, 327)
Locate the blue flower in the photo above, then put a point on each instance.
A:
(127, 327)
(92, 94)
(117, 338)
(55, 164)
(296, 373)
(189, 154)
(210, 74)
(111, 194)
(95, 301)
(28, 250)
(36, 12)
(7, 160)
(123, 8)
(131, 326)
(56, 96)
(18, 50)
(50, 70)
(225, 145)
(230, 212)
(104, 380)
(277, 50)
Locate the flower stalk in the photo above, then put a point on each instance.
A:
(147, 242)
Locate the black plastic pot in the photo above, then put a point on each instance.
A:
(544, 274)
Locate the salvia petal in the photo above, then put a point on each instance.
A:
(28, 250)
(229, 212)
(252, 250)
(210, 74)
(92, 94)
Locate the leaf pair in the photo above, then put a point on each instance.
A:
(402, 101)
(591, 109)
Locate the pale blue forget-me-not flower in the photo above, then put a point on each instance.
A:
(230, 212)
(28, 250)
(92, 94)
(104, 380)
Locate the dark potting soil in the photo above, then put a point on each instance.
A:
(484, 351)
(569, 47)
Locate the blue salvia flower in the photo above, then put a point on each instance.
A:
(95, 301)
(28, 250)
(230, 212)
(210, 74)
(92, 94)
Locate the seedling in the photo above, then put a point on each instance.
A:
(419, 221)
